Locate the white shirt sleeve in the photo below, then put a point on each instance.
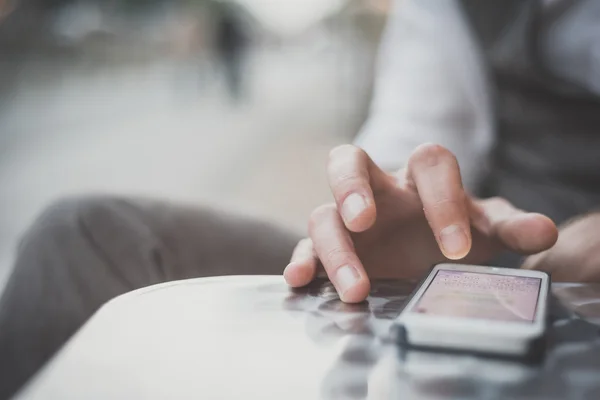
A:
(431, 86)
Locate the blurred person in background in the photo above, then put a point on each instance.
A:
(188, 46)
(515, 79)
(231, 43)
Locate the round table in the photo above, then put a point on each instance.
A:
(254, 338)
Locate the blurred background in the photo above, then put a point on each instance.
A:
(233, 104)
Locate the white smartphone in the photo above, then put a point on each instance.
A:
(475, 308)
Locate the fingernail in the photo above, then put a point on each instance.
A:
(353, 206)
(454, 241)
(346, 278)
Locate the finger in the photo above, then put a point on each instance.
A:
(334, 247)
(564, 264)
(303, 266)
(535, 261)
(351, 176)
(433, 173)
(554, 261)
(520, 231)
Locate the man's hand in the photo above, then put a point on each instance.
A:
(397, 226)
(576, 255)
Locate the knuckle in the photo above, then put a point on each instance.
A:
(319, 214)
(431, 154)
(347, 169)
(348, 180)
(303, 249)
(345, 150)
(446, 203)
(345, 157)
(338, 257)
(498, 202)
(304, 244)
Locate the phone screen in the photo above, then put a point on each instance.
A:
(477, 295)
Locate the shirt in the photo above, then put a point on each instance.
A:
(511, 87)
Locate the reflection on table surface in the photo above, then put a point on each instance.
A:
(227, 337)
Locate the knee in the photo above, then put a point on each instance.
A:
(70, 216)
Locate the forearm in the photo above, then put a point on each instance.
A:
(429, 88)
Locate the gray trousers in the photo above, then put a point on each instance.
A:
(80, 253)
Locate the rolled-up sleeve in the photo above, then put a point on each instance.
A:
(430, 86)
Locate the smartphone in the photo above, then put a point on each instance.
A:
(479, 309)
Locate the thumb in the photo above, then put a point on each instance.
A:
(536, 261)
(519, 231)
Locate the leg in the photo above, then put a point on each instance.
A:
(80, 253)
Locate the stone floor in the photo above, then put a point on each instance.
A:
(160, 131)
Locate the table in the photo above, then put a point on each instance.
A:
(254, 338)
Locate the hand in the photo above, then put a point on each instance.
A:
(576, 255)
(398, 226)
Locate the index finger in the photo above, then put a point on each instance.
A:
(433, 173)
(352, 177)
(335, 249)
